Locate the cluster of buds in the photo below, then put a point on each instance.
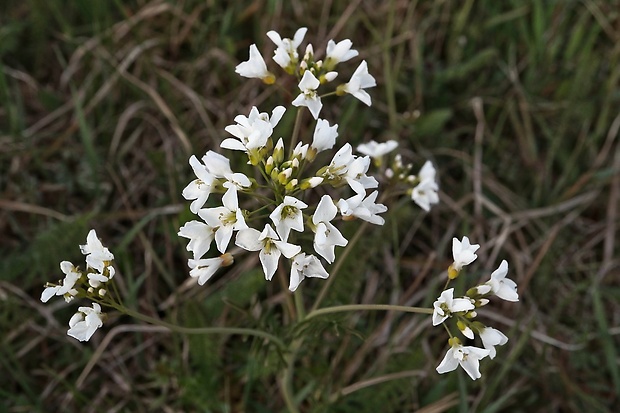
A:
(89, 283)
(463, 310)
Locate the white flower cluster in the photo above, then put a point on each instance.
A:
(285, 182)
(464, 310)
(89, 283)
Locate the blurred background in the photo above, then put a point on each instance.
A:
(517, 103)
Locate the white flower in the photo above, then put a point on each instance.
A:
(225, 219)
(425, 193)
(95, 279)
(204, 268)
(85, 322)
(252, 131)
(286, 54)
(360, 80)
(491, 338)
(463, 253)
(446, 305)
(326, 235)
(503, 287)
(97, 256)
(199, 189)
(288, 216)
(362, 207)
(324, 136)
(308, 96)
(210, 172)
(467, 356)
(269, 245)
(352, 169)
(303, 266)
(255, 67)
(200, 237)
(67, 288)
(338, 52)
(376, 150)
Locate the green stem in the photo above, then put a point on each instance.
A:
(295, 134)
(205, 330)
(368, 307)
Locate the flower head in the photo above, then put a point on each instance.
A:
(362, 207)
(288, 216)
(446, 305)
(303, 266)
(425, 192)
(463, 253)
(467, 356)
(308, 96)
(326, 235)
(255, 67)
(85, 322)
(324, 136)
(286, 54)
(269, 245)
(200, 237)
(204, 268)
(224, 219)
(376, 150)
(491, 338)
(97, 256)
(360, 80)
(338, 52)
(503, 287)
(67, 288)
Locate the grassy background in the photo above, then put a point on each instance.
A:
(517, 103)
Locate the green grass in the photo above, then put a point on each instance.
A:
(102, 103)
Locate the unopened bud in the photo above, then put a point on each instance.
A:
(269, 165)
(311, 182)
(278, 152)
(227, 259)
(292, 185)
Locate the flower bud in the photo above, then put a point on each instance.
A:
(269, 165)
(452, 272)
(278, 152)
(310, 183)
(227, 259)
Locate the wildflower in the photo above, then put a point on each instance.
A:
(491, 338)
(288, 216)
(425, 193)
(467, 356)
(252, 132)
(85, 322)
(224, 219)
(345, 166)
(326, 235)
(360, 80)
(303, 266)
(463, 253)
(269, 245)
(97, 256)
(503, 287)
(67, 288)
(95, 279)
(362, 207)
(308, 96)
(376, 150)
(200, 237)
(199, 189)
(446, 305)
(324, 138)
(338, 52)
(286, 54)
(255, 67)
(204, 268)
